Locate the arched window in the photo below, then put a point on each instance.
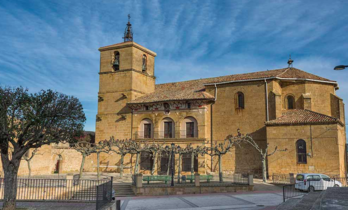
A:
(188, 128)
(167, 128)
(290, 102)
(301, 151)
(145, 129)
(146, 161)
(240, 100)
(144, 66)
(116, 63)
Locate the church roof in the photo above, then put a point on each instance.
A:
(195, 89)
(303, 116)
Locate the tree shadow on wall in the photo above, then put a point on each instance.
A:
(247, 158)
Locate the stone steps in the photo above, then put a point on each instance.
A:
(123, 190)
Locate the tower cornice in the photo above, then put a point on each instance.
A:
(125, 45)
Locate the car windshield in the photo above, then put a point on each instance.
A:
(299, 177)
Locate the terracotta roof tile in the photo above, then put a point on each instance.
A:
(303, 116)
(195, 89)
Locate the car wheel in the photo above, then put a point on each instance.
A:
(311, 189)
(336, 185)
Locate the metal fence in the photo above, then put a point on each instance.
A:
(104, 194)
(301, 188)
(55, 189)
(182, 134)
(205, 180)
(281, 178)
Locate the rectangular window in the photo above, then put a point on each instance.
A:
(146, 161)
(190, 129)
(302, 158)
(313, 178)
(147, 131)
(168, 130)
(165, 158)
(186, 162)
(300, 177)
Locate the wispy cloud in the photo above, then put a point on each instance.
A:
(53, 44)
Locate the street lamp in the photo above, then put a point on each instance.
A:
(173, 145)
(340, 67)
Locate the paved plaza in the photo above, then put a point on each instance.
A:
(250, 201)
(208, 202)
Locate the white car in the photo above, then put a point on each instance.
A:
(312, 182)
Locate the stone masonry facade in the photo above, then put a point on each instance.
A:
(277, 107)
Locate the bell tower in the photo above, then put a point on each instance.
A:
(126, 73)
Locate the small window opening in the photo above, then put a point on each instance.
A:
(291, 102)
(301, 151)
(240, 100)
(144, 66)
(116, 63)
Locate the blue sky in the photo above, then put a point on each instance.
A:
(54, 44)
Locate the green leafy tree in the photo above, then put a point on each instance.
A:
(31, 120)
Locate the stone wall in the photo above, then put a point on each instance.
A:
(227, 118)
(324, 143)
(45, 161)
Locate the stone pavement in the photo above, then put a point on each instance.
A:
(252, 200)
(224, 201)
(55, 206)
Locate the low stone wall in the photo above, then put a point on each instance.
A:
(185, 189)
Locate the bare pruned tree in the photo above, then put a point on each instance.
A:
(30, 121)
(220, 149)
(122, 149)
(264, 153)
(28, 157)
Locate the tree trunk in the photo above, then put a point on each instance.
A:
(154, 164)
(121, 165)
(179, 168)
(192, 165)
(264, 169)
(29, 168)
(98, 164)
(10, 181)
(136, 169)
(82, 164)
(169, 161)
(220, 169)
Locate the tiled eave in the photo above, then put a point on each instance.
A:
(302, 123)
(170, 100)
(272, 78)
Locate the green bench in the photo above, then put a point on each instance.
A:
(201, 177)
(163, 178)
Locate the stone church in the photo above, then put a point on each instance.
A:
(286, 108)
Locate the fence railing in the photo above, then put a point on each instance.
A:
(182, 134)
(238, 179)
(303, 187)
(55, 189)
(104, 194)
(281, 178)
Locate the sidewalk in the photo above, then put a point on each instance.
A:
(249, 200)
